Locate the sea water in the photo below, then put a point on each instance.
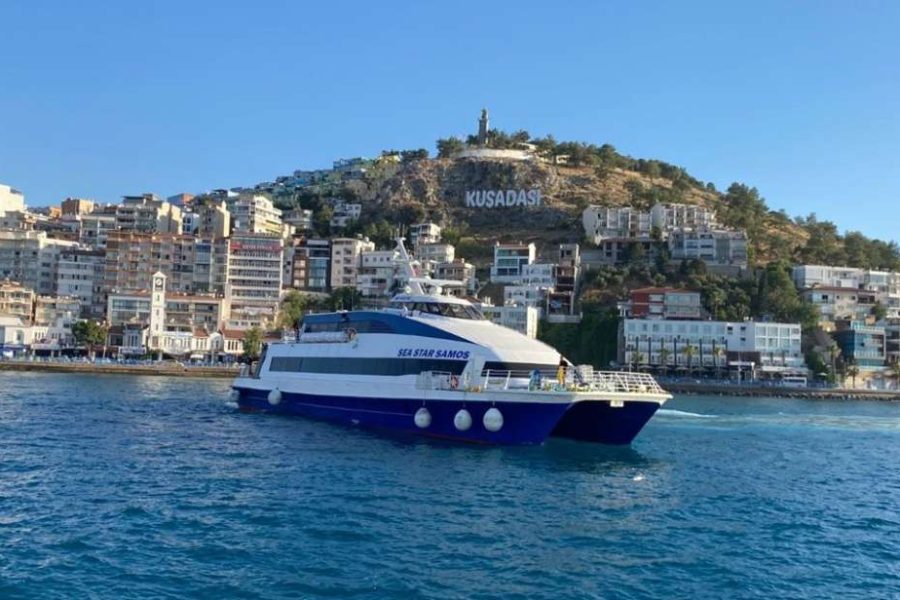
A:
(119, 487)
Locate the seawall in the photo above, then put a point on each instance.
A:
(160, 369)
(781, 392)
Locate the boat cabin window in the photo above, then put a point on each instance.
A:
(457, 311)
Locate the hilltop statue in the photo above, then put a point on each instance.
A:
(483, 128)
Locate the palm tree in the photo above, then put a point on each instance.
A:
(895, 374)
(690, 352)
(637, 358)
(853, 371)
(664, 355)
(718, 353)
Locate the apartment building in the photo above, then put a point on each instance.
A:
(253, 279)
(457, 270)
(31, 258)
(132, 258)
(255, 213)
(713, 246)
(11, 200)
(377, 273)
(345, 260)
(424, 233)
(312, 265)
(16, 300)
(663, 303)
(80, 274)
(521, 318)
(148, 214)
(76, 206)
(509, 260)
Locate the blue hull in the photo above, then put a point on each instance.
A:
(597, 421)
(523, 423)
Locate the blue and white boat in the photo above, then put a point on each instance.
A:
(432, 365)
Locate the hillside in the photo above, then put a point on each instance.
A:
(436, 189)
(401, 188)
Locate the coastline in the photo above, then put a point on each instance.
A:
(168, 369)
(781, 392)
(156, 370)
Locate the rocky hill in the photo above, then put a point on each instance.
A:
(401, 188)
(437, 188)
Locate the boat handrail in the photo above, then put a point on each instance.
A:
(619, 382)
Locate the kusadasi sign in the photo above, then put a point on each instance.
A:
(503, 198)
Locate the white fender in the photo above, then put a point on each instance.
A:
(463, 420)
(422, 418)
(234, 396)
(275, 397)
(493, 420)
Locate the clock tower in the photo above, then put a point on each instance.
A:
(157, 308)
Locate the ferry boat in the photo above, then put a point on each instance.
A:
(431, 364)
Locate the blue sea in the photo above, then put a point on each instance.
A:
(118, 487)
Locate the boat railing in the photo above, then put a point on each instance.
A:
(570, 379)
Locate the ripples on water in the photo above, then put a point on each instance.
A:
(114, 487)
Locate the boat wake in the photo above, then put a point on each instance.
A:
(683, 414)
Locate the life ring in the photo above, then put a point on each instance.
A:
(454, 382)
(351, 334)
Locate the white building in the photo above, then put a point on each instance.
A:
(345, 260)
(254, 213)
(30, 257)
(713, 246)
(345, 213)
(847, 292)
(509, 260)
(424, 233)
(524, 295)
(670, 216)
(11, 200)
(435, 252)
(758, 347)
(542, 275)
(603, 222)
(15, 336)
(378, 270)
(523, 319)
(299, 218)
(148, 214)
(95, 227)
(253, 279)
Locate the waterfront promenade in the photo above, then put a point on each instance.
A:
(170, 368)
(153, 368)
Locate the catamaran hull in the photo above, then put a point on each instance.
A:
(603, 422)
(523, 423)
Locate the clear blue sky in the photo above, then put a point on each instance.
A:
(800, 99)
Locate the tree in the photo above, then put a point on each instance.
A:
(852, 371)
(408, 156)
(719, 353)
(252, 343)
(895, 374)
(637, 357)
(322, 221)
(879, 311)
(344, 298)
(690, 351)
(664, 356)
(293, 305)
(447, 147)
(89, 334)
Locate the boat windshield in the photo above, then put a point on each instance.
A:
(457, 311)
